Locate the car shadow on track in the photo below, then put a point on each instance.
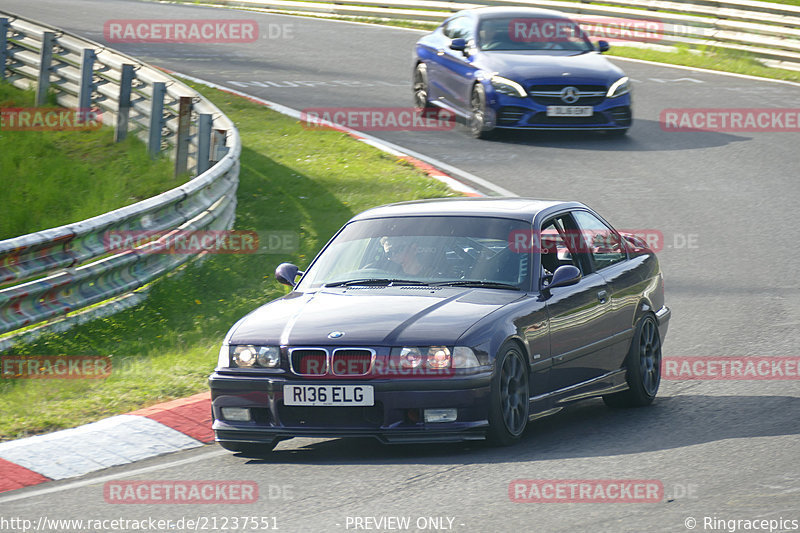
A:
(585, 430)
(644, 136)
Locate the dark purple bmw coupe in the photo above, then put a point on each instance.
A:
(446, 320)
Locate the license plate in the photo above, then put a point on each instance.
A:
(339, 395)
(570, 111)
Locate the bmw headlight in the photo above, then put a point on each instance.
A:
(509, 87)
(410, 357)
(249, 356)
(619, 87)
(435, 357)
(439, 357)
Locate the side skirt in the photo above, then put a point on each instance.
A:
(552, 402)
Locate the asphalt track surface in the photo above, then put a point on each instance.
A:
(727, 206)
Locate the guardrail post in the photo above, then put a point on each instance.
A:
(218, 148)
(4, 27)
(204, 124)
(87, 81)
(156, 119)
(45, 61)
(124, 107)
(182, 141)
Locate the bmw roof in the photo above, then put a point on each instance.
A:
(505, 207)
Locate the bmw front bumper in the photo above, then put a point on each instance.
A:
(397, 415)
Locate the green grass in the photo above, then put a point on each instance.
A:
(51, 178)
(644, 6)
(708, 58)
(291, 179)
(787, 2)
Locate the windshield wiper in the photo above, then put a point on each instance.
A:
(375, 281)
(476, 283)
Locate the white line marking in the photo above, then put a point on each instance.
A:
(109, 477)
(707, 71)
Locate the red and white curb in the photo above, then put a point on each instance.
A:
(167, 427)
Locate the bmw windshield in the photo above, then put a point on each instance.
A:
(532, 34)
(431, 250)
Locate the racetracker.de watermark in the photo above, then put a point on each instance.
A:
(197, 241)
(730, 368)
(583, 241)
(586, 491)
(187, 31)
(618, 29)
(731, 120)
(434, 363)
(558, 30)
(55, 366)
(184, 491)
(194, 522)
(378, 118)
(49, 119)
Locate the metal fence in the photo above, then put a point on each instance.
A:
(48, 274)
(765, 30)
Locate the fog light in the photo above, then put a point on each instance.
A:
(440, 415)
(236, 414)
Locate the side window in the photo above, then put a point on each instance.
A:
(555, 247)
(448, 28)
(602, 243)
(458, 28)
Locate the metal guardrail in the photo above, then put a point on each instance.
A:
(47, 274)
(765, 30)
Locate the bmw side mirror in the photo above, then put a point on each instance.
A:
(603, 46)
(286, 273)
(565, 275)
(458, 44)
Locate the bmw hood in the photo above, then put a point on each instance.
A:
(389, 316)
(532, 67)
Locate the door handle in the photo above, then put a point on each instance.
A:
(602, 296)
(440, 52)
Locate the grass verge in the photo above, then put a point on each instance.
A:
(51, 178)
(293, 179)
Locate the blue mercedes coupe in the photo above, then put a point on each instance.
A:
(520, 68)
(446, 320)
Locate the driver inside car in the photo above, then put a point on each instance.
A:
(405, 255)
(494, 36)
